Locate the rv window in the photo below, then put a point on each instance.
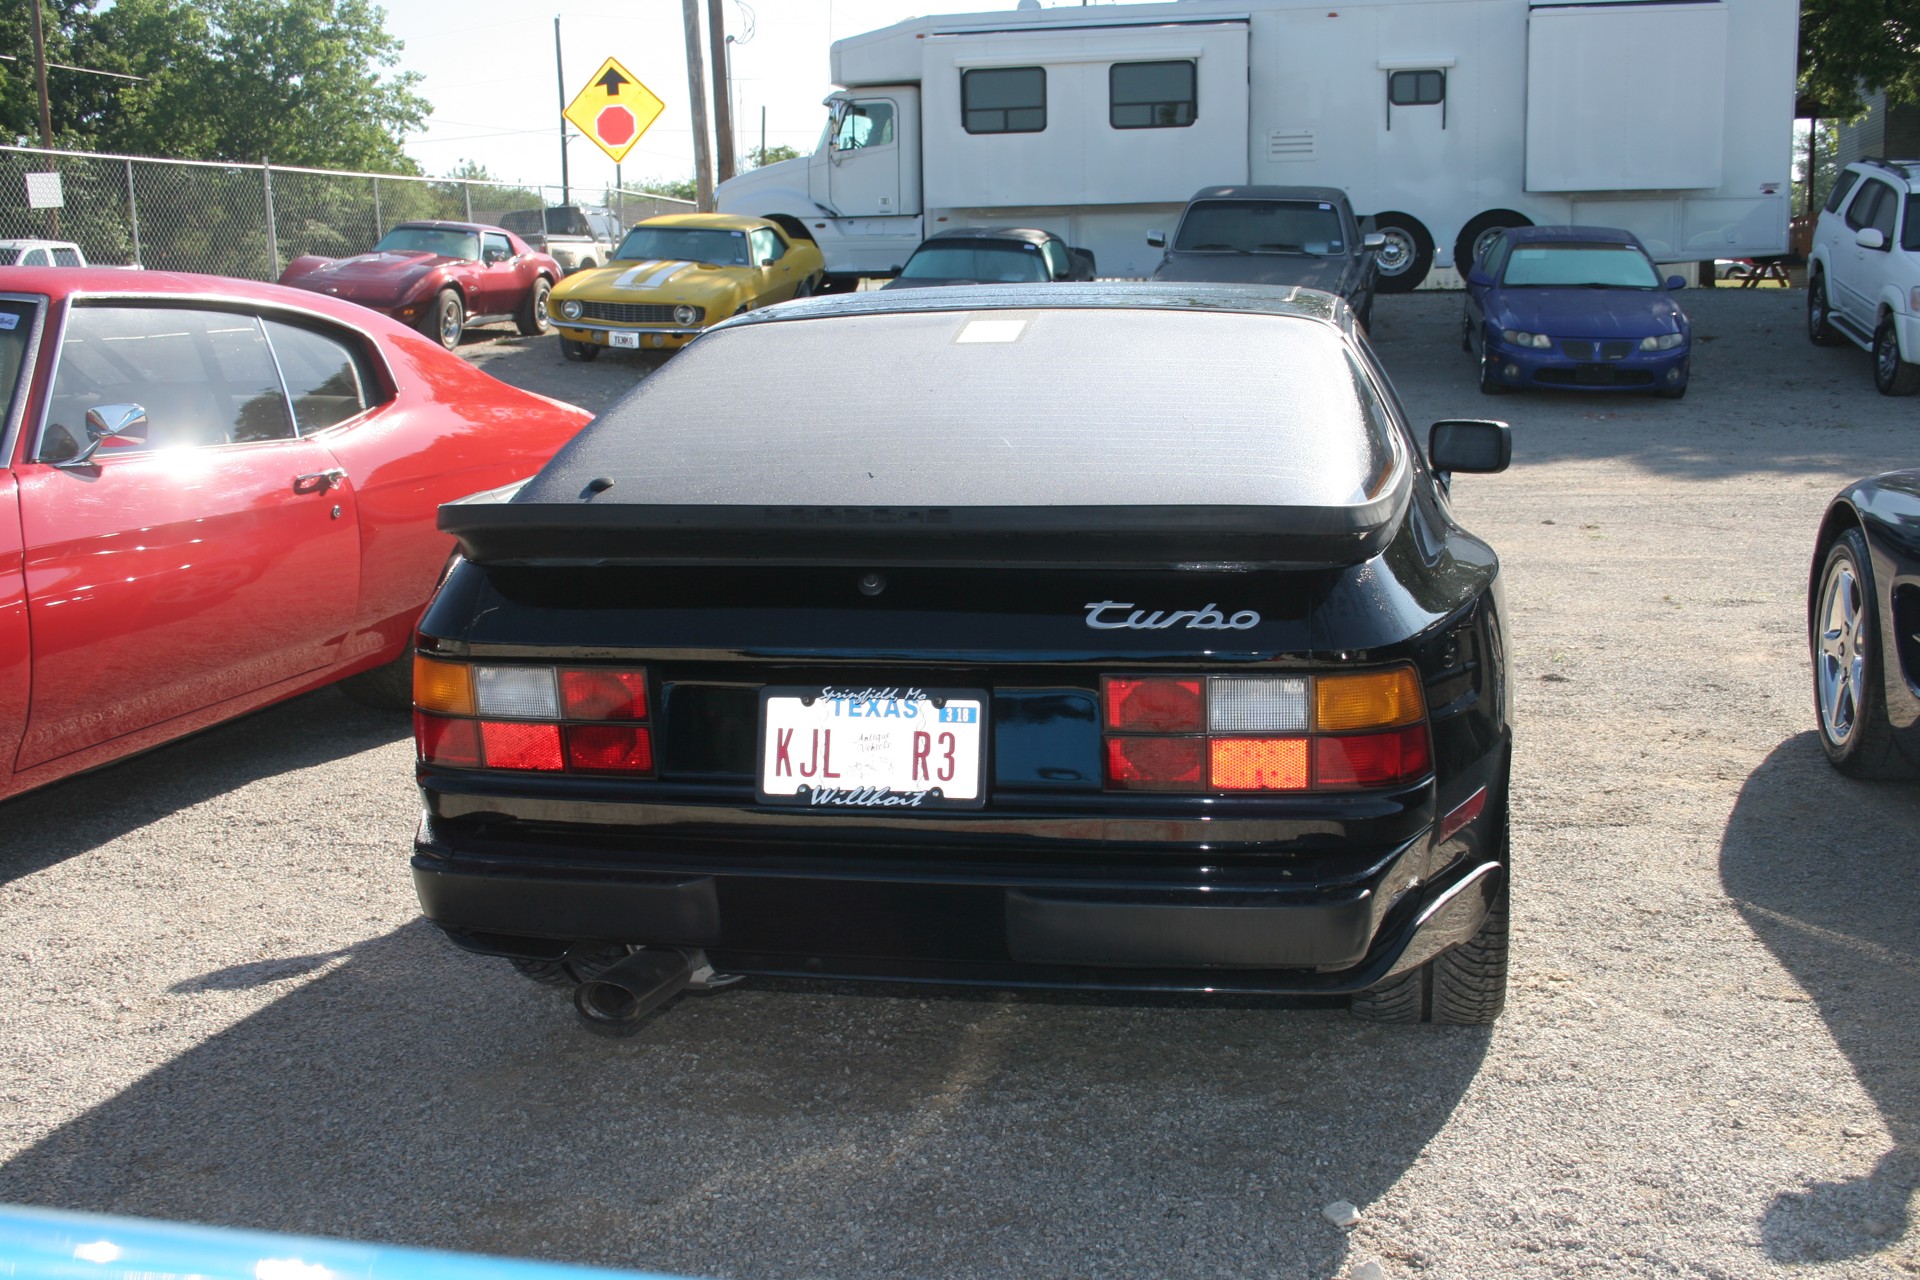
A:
(1004, 100)
(865, 124)
(1416, 88)
(1151, 95)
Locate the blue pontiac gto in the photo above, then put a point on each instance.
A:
(1580, 307)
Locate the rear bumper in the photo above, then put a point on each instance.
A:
(1254, 934)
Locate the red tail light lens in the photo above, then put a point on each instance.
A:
(445, 741)
(609, 748)
(1155, 706)
(1371, 759)
(603, 695)
(1157, 764)
(510, 744)
(518, 716)
(1266, 733)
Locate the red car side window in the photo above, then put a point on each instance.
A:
(329, 378)
(201, 377)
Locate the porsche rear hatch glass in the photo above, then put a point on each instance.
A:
(1137, 435)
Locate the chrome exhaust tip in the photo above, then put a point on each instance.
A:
(616, 1000)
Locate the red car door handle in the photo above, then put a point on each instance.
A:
(319, 481)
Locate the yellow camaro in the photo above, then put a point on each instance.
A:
(674, 275)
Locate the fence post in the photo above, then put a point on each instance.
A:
(466, 189)
(379, 222)
(133, 215)
(273, 240)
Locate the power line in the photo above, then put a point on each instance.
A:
(91, 71)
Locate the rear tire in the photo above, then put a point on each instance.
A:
(1404, 263)
(1892, 376)
(1849, 693)
(532, 320)
(1464, 987)
(1478, 234)
(579, 352)
(388, 687)
(1820, 330)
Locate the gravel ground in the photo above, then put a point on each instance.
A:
(221, 1006)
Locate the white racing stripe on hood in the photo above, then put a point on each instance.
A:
(656, 274)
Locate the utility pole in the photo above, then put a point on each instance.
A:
(722, 103)
(697, 95)
(40, 75)
(560, 76)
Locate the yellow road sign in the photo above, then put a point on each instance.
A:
(614, 109)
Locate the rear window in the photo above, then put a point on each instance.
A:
(989, 261)
(1057, 407)
(1261, 226)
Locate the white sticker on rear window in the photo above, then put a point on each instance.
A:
(8, 320)
(992, 331)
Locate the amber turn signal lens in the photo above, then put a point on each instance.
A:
(1375, 700)
(446, 687)
(1259, 764)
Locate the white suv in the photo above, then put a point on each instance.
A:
(1863, 276)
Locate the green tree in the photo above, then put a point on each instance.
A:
(1852, 46)
(305, 82)
(758, 157)
(679, 188)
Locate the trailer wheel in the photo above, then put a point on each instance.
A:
(1479, 233)
(1408, 254)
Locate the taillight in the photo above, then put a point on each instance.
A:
(1225, 734)
(542, 719)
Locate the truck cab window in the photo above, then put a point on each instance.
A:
(1004, 100)
(1151, 95)
(865, 124)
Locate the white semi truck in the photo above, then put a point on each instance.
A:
(1444, 120)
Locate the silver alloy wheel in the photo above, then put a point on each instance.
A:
(1398, 253)
(1886, 353)
(450, 325)
(1481, 243)
(1817, 308)
(1840, 670)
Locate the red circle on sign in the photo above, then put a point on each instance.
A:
(614, 125)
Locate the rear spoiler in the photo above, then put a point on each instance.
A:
(495, 532)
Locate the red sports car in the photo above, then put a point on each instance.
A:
(440, 277)
(215, 495)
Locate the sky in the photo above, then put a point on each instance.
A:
(496, 100)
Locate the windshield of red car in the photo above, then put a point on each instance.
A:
(1570, 265)
(992, 261)
(719, 246)
(1260, 226)
(447, 242)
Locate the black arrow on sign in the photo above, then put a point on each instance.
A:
(611, 82)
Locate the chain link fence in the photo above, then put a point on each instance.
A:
(250, 220)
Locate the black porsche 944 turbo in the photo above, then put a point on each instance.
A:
(1084, 637)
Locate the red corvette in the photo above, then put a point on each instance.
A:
(219, 494)
(440, 277)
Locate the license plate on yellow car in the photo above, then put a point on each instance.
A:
(623, 339)
(872, 748)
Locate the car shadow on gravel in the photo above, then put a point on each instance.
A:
(1826, 871)
(535, 364)
(47, 826)
(414, 1094)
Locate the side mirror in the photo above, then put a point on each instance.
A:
(1156, 239)
(1478, 278)
(1478, 445)
(1372, 242)
(1870, 238)
(1676, 282)
(121, 423)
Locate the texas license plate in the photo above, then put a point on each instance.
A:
(896, 747)
(623, 339)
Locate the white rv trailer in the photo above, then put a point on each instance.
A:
(1442, 119)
